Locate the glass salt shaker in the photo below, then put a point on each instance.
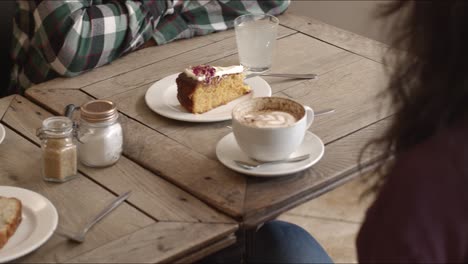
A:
(59, 151)
(100, 137)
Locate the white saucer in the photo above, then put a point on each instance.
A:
(161, 97)
(2, 133)
(227, 151)
(39, 220)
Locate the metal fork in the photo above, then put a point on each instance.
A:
(284, 75)
(79, 237)
(291, 75)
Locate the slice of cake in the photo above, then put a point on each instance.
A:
(10, 217)
(202, 88)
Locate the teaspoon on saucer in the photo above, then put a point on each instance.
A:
(250, 166)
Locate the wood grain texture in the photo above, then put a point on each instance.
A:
(57, 99)
(133, 104)
(173, 240)
(4, 104)
(153, 72)
(193, 172)
(25, 117)
(270, 197)
(205, 178)
(207, 251)
(300, 53)
(344, 39)
(353, 91)
(76, 201)
(155, 196)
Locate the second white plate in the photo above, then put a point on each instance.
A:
(161, 97)
(2, 133)
(39, 220)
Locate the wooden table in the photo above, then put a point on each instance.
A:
(350, 74)
(159, 222)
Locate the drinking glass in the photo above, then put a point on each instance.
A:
(256, 41)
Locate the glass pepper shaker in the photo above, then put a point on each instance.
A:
(59, 151)
(100, 137)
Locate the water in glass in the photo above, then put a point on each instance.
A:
(256, 40)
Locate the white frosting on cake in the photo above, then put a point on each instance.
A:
(219, 71)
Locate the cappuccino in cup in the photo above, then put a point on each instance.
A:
(270, 128)
(268, 118)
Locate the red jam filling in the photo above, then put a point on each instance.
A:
(204, 70)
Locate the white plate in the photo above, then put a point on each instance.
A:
(161, 97)
(227, 151)
(2, 133)
(39, 220)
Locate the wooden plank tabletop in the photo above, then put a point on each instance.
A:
(338, 37)
(351, 75)
(158, 223)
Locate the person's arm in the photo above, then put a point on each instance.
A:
(193, 18)
(78, 35)
(150, 43)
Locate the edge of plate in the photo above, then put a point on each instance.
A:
(2, 133)
(45, 238)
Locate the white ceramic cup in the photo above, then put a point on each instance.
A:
(270, 143)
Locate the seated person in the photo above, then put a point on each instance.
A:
(420, 214)
(69, 37)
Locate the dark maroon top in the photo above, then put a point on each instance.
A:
(421, 213)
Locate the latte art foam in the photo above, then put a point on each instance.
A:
(269, 118)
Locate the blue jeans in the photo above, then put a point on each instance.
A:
(282, 242)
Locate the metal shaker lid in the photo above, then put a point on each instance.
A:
(98, 111)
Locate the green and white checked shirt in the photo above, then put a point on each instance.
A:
(54, 38)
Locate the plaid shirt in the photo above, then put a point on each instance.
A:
(54, 38)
